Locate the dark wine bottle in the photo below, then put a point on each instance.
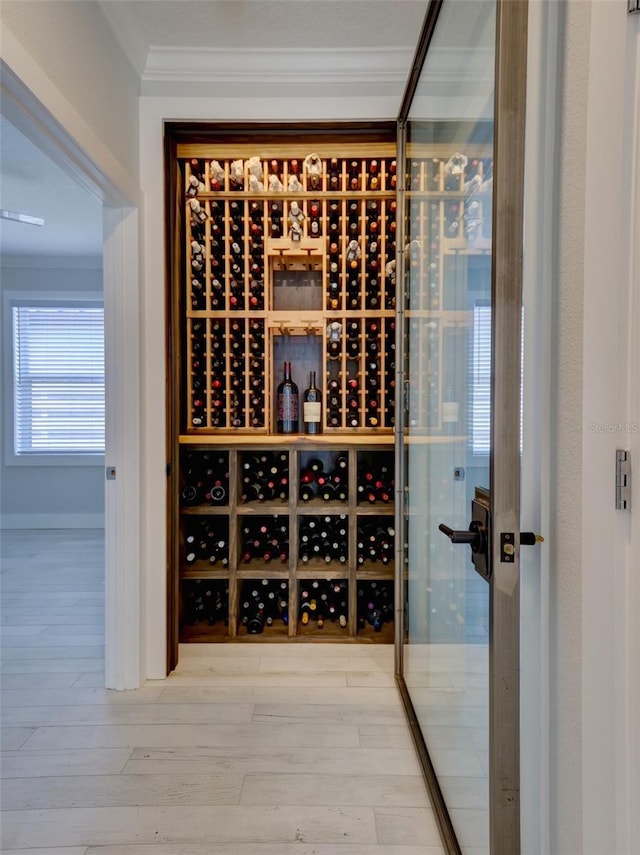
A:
(354, 175)
(287, 403)
(306, 492)
(334, 174)
(312, 407)
(314, 219)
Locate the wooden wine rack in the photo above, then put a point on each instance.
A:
(228, 519)
(306, 275)
(275, 262)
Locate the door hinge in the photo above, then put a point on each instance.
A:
(168, 470)
(623, 480)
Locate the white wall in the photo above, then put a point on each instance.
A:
(49, 496)
(565, 543)
(591, 568)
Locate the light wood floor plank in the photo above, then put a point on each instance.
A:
(34, 696)
(366, 762)
(83, 791)
(196, 824)
(43, 764)
(123, 714)
(311, 788)
(161, 735)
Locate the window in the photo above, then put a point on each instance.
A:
(58, 379)
(481, 380)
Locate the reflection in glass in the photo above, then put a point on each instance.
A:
(448, 322)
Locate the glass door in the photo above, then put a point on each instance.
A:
(461, 138)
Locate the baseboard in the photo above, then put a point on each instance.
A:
(21, 521)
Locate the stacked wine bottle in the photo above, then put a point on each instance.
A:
(205, 478)
(207, 540)
(375, 541)
(324, 604)
(361, 370)
(264, 603)
(375, 605)
(265, 476)
(330, 485)
(265, 539)
(323, 539)
(205, 602)
(376, 482)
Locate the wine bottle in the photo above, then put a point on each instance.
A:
(334, 174)
(287, 403)
(276, 219)
(353, 220)
(354, 175)
(312, 407)
(327, 493)
(314, 219)
(374, 177)
(333, 349)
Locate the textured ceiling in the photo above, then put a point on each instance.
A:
(275, 23)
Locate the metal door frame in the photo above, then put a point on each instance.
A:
(506, 283)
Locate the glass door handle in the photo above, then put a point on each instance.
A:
(475, 537)
(478, 535)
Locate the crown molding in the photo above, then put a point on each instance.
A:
(310, 73)
(273, 66)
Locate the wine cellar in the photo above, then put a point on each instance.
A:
(282, 260)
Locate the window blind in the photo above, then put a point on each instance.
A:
(481, 380)
(58, 379)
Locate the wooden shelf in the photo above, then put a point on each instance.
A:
(258, 509)
(270, 570)
(294, 442)
(206, 510)
(203, 570)
(318, 569)
(365, 509)
(376, 572)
